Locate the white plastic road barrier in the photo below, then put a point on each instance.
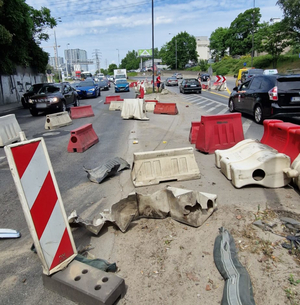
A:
(225, 153)
(154, 167)
(116, 105)
(42, 203)
(57, 120)
(134, 109)
(150, 106)
(9, 129)
(296, 166)
(266, 168)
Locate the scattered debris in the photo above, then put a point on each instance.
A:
(186, 206)
(110, 168)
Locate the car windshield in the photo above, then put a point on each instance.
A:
(86, 84)
(172, 78)
(103, 82)
(35, 88)
(289, 83)
(49, 89)
(121, 81)
(192, 81)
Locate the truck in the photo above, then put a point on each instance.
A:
(120, 73)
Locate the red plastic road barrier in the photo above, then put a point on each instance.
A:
(284, 137)
(42, 204)
(133, 84)
(110, 98)
(142, 92)
(204, 86)
(194, 132)
(219, 132)
(82, 138)
(81, 112)
(165, 108)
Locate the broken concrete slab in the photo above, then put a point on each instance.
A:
(110, 168)
(154, 205)
(191, 207)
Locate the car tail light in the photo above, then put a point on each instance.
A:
(273, 94)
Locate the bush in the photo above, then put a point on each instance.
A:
(263, 61)
(222, 71)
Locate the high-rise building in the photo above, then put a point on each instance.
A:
(78, 58)
(202, 47)
(60, 62)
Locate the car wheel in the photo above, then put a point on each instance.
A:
(23, 103)
(63, 106)
(258, 115)
(76, 101)
(231, 106)
(183, 91)
(33, 112)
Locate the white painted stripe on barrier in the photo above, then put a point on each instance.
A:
(53, 231)
(9, 130)
(32, 185)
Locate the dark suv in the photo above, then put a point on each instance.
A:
(34, 89)
(267, 96)
(53, 97)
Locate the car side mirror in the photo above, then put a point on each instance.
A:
(235, 89)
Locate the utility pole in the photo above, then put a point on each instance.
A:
(118, 58)
(252, 53)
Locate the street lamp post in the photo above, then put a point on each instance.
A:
(56, 57)
(118, 58)
(67, 70)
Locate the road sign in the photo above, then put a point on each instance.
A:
(145, 53)
(220, 79)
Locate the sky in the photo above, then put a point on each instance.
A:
(112, 28)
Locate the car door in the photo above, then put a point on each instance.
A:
(239, 101)
(251, 94)
(68, 94)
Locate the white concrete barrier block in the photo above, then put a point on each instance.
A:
(116, 105)
(56, 120)
(296, 166)
(154, 167)
(9, 130)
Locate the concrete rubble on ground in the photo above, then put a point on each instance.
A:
(186, 206)
(110, 168)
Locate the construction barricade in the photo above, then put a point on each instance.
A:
(219, 132)
(9, 129)
(82, 138)
(164, 165)
(284, 137)
(194, 132)
(150, 105)
(142, 92)
(251, 162)
(57, 120)
(166, 108)
(116, 105)
(110, 98)
(81, 112)
(133, 84)
(134, 109)
(42, 203)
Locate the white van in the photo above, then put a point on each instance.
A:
(270, 71)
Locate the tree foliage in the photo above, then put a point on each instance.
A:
(218, 45)
(240, 31)
(111, 68)
(184, 46)
(130, 61)
(274, 39)
(21, 30)
(291, 15)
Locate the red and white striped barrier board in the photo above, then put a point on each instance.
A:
(42, 204)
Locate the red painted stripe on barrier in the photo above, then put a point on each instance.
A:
(23, 155)
(44, 205)
(64, 250)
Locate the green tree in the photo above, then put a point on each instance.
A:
(218, 46)
(181, 47)
(130, 61)
(111, 68)
(240, 32)
(22, 29)
(274, 40)
(291, 15)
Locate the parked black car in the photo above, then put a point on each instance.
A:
(267, 96)
(190, 85)
(53, 97)
(34, 89)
